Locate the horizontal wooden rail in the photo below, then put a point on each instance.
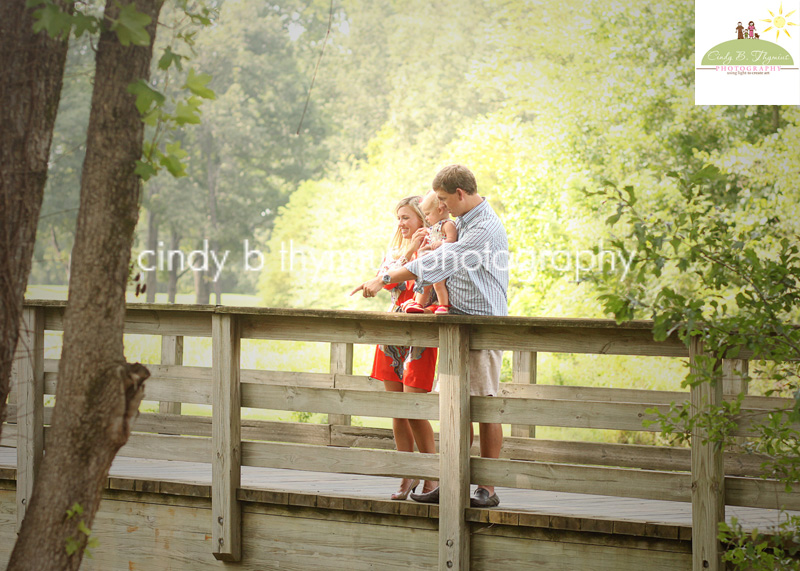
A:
(583, 414)
(365, 403)
(621, 482)
(340, 460)
(646, 457)
(567, 406)
(593, 336)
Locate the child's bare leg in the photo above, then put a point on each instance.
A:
(441, 293)
(424, 297)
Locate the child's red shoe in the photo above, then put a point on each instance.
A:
(411, 306)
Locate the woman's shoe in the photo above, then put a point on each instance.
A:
(402, 493)
(411, 306)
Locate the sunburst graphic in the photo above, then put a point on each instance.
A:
(779, 22)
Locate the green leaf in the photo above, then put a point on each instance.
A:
(170, 58)
(51, 19)
(196, 83)
(145, 170)
(130, 26)
(84, 23)
(71, 546)
(83, 529)
(171, 160)
(188, 112)
(145, 96)
(151, 117)
(76, 509)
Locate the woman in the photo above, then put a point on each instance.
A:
(406, 369)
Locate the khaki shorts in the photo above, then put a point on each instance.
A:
(484, 373)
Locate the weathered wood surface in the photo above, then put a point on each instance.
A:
(339, 460)
(29, 365)
(140, 530)
(454, 404)
(544, 507)
(708, 478)
(580, 414)
(523, 372)
(171, 355)
(341, 364)
(625, 483)
(599, 336)
(170, 382)
(340, 394)
(548, 451)
(226, 439)
(366, 403)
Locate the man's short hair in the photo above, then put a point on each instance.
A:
(452, 177)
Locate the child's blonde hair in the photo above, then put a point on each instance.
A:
(399, 244)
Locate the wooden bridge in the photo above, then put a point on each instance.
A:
(194, 492)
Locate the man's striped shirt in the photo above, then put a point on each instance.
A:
(475, 266)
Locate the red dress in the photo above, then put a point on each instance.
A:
(412, 366)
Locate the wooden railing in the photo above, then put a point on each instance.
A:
(704, 475)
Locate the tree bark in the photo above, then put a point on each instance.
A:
(151, 278)
(98, 392)
(212, 170)
(202, 292)
(31, 72)
(172, 285)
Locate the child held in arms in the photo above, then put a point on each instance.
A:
(441, 230)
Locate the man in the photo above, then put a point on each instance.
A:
(476, 270)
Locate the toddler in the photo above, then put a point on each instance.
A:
(441, 230)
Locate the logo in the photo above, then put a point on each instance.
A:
(751, 56)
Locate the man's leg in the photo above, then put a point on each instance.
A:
(491, 443)
(485, 380)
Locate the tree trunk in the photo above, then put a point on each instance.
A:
(776, 117)
(212, 170)
(151, 279)
(31, 72)
(172, 286)
(202, 293)
(98, 393)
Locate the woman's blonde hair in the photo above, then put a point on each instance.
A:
(398, 244)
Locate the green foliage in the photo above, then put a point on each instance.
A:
(758, 551)
(87, 540)
(130, 26)
(51, 18)
(59, 21)
(725, 270)
(197, 84)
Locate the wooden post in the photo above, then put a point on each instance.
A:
(454, 475)
(734, 376)
(226, 439)
(734, 381)
(341, 364)
(171, 354)
(523, 370)
(30, 405)
(708, 477)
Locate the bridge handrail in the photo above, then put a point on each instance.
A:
(228, 387)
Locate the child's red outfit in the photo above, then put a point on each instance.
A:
(412, 366)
